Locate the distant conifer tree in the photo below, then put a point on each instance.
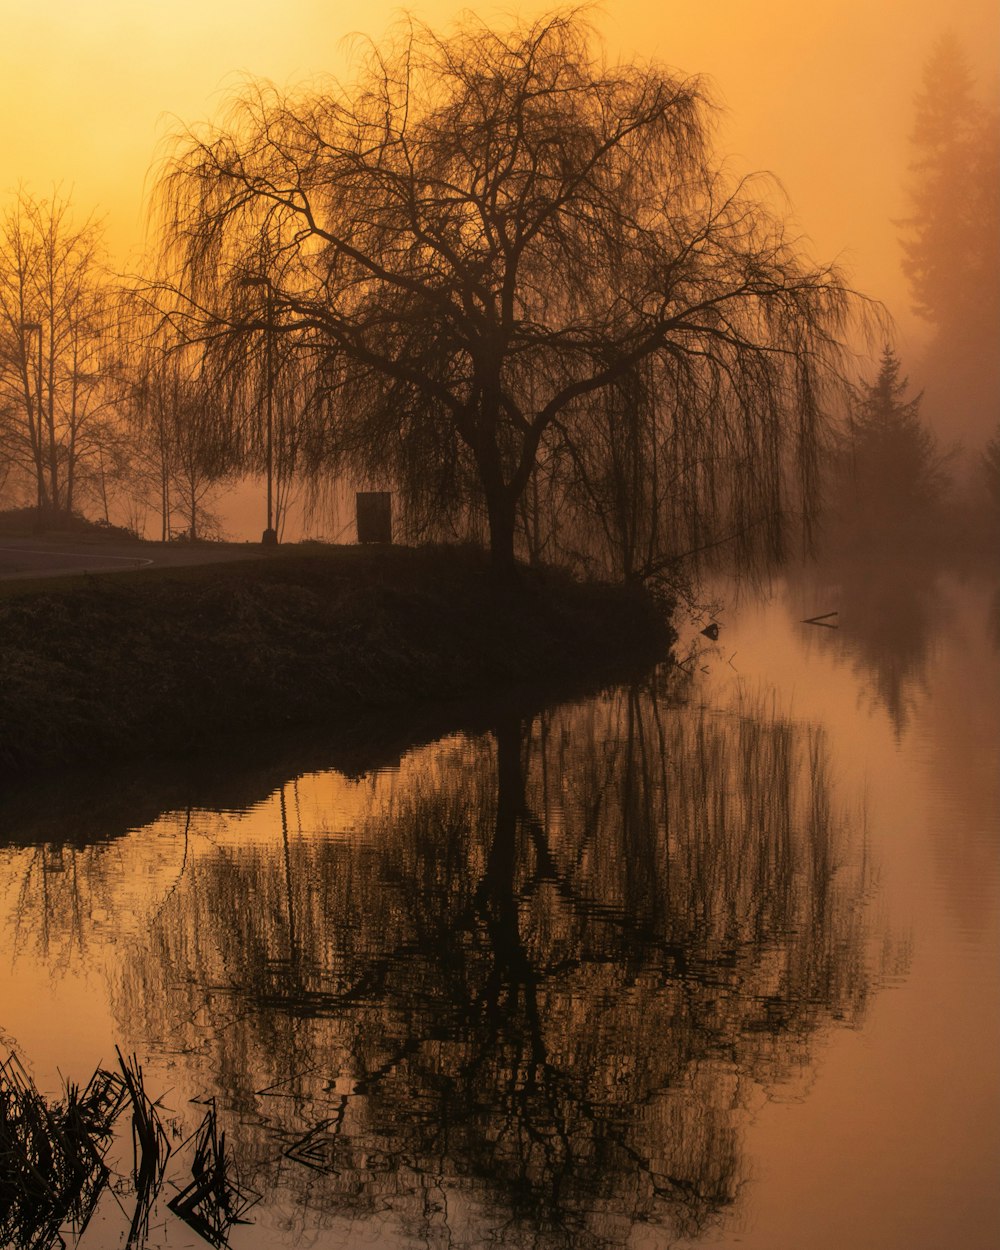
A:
(951, 241)
(891, 476)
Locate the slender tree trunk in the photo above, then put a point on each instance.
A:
(53, 441)
(164, 508)
(35, 427)
(104, 488)
(194, 509)
(164, 467)
(73, 429)
(71, 462)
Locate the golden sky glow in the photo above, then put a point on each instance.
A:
(821, 95)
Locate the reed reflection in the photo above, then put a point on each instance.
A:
(527, 1001)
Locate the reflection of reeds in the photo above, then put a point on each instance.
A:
(52, 1166)
(52, 1160)
(150, 1148)
(214, 1200)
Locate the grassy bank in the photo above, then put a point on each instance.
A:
(169, 661)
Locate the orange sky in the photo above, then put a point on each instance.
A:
(821, 95)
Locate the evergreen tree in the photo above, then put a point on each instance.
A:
(951, 240)
(891, 476)
(947, 252)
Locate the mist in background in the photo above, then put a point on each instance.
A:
(825, 99)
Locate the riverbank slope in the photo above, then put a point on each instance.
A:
(169, 661)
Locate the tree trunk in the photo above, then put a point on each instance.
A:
(194, 512)
(70, 472)
(56, 501)
(164, 495)
(501, 510)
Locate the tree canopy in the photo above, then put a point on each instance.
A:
(54, 309)
(479, 241)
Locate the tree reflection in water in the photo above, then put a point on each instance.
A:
(889, 615)
(527, 999)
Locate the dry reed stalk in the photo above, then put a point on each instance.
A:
(214, 1200)
(52, 1167)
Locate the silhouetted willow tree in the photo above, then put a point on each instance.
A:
(478, 241)
(540, 972)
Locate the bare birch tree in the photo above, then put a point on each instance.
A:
(53, 317)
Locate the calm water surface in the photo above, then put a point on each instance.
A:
(694, 963)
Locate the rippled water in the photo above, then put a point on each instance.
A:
(705, 961)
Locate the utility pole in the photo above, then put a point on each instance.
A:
(270, 535)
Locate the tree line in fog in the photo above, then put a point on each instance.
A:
(512, 283)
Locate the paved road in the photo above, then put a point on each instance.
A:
(57, 557)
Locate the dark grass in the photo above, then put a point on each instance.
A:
(34, 522)
(171, 661)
